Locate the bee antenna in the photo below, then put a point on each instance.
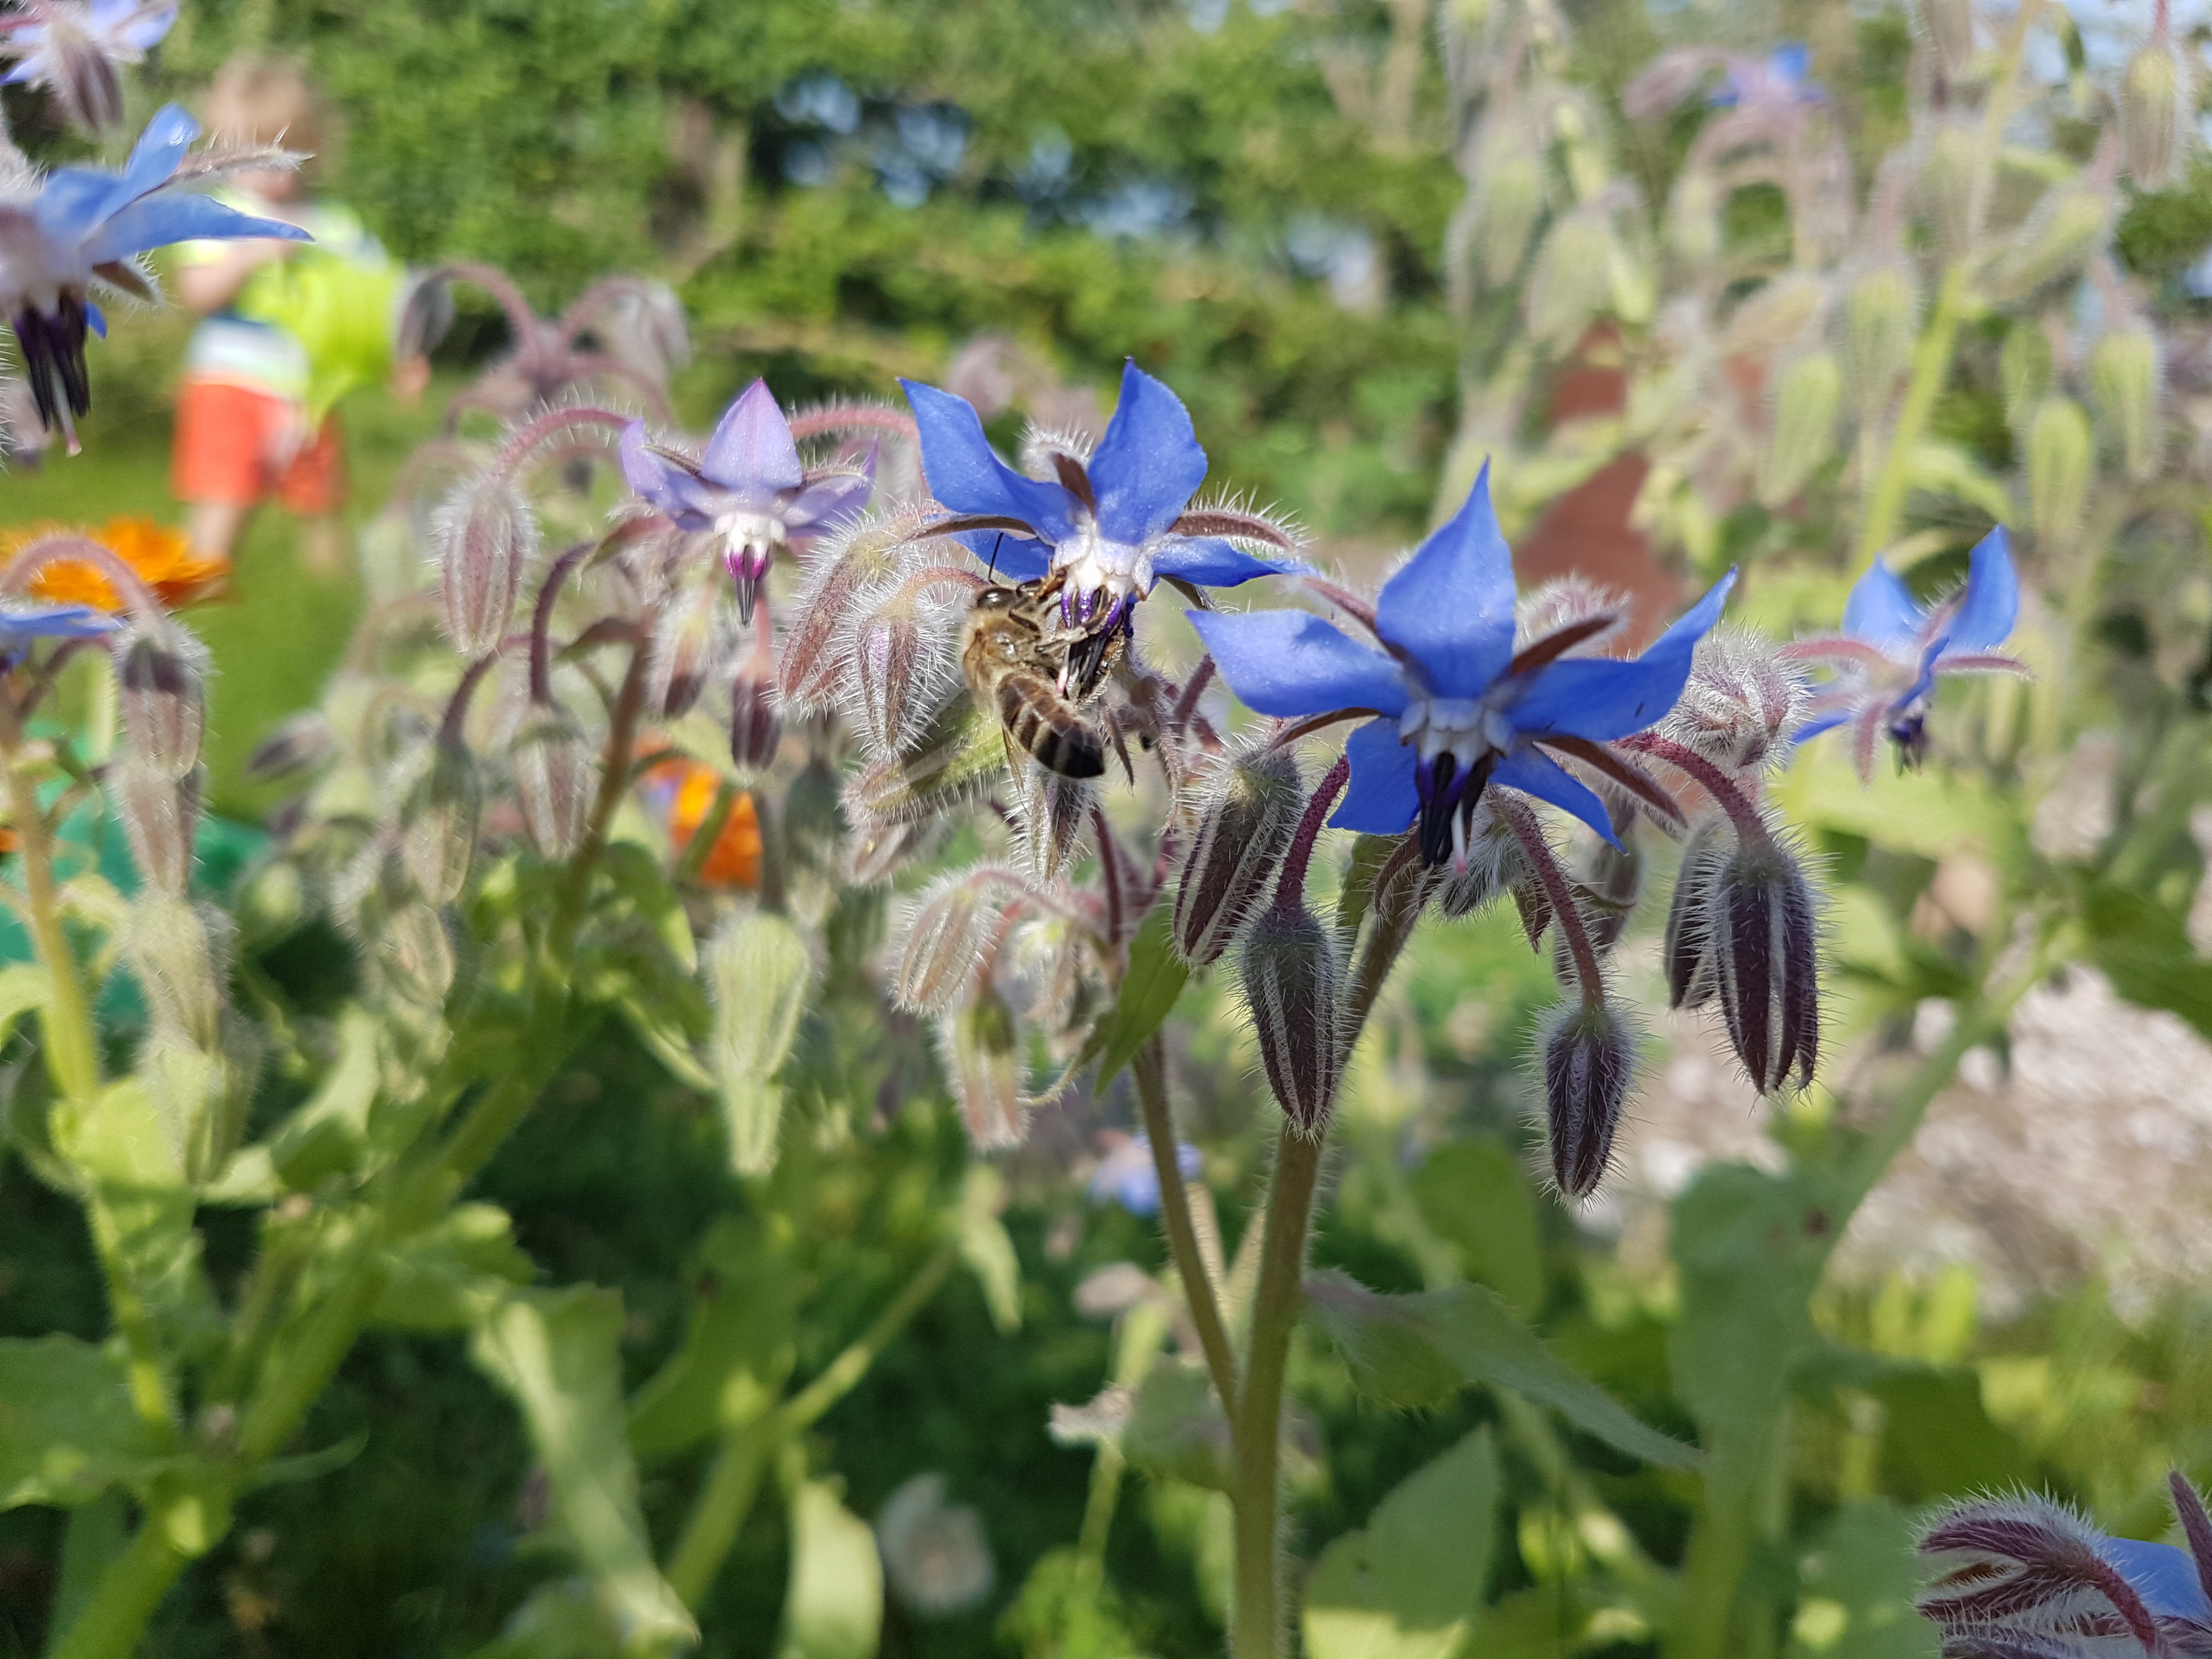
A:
(996, 540)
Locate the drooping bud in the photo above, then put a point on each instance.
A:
(160, 816)
(758, 972)
(893, 686)
(2157, 100)
(487, 536)
(1511, 191)
(2024, 370)
(685, 641)
(1807, 394)
(1252, 805)
(813, 842)
(1948, 178)
(1049, 819)
(1293, 992)
(1572, 278)
(756, 721)
(1882, 317)
(1947, 26)
(942, 942)
(1760, 927)
(2061, 452)
(1590, 1058)
(982, 1049)
(960, 753)
(1694, 217)
(437, 824)
(2124, 373)
(2006, 1573)
(557, 779)
(2057, 240)
(181, 954)
(160, 680)
(302, 741)
(1688, 953)
(843, 569)
(1740, 704)
(416, 951)
(1778, 316)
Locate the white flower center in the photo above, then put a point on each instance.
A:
(1093, 564)
(750, 532)
(1464, 728)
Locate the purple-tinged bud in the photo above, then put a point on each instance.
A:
(1947, 26)
(755, 721)
(1740, 704)
(2158, 103)
(438, 825)
(181, 954)
(304, 740)
(944, 942)
(1293, 993)
(981, 1045)
(1688, 956)
(685, 642)
(892, 686)
(1534, 905)
(1494, 863)
(1589, 1057)
(556, 780)
(1762, 930)
(162, 682)
(416, 952)
(2009, 1572)
(487, 536)
(160, 816)
(758, 973)
(843, 569)
(1252, 805)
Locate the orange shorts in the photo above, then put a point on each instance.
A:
(234, 444)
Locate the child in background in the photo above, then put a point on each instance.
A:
(290, 328)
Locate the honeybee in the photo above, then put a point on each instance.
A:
(1035, 673)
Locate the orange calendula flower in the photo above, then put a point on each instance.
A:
(162, 557)
(682, 792)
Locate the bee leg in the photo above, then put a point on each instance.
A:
(1121, 749)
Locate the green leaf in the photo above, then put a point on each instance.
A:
(1474, 1194)
(560, 1620)
(67, 1429)
(834, 1608)
(986, 1247)
(447, 1278)
(1407, 1586)
(1938, 1439)
(638, 877)
(1177, 1429)
(738, 1352)
(555, 1353)
(1856, 1588)
(22, 989)
(2143, 948)
(327, 1135)
(1413, 1352)
(1156, 978)
(1933, 814)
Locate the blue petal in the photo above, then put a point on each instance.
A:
(827, 498)
(1008, 558)
(1791, 61)
(1880, 609)
(1289, 663)
(54, 622)
(96, 318)
(1211, 561)
(2166, 1577)
(1819, 723)
(1602, 698)
(750, 452)
(1451, 605)
(1381, 797)
(965, 475)
(1991, 603)
(1148, 464)
(72, 201)
(166, 218)
(154, 158)
(1926, 682)
(1534, 773)
(666, 486)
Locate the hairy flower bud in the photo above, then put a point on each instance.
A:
(845, 569)
(1948, 171)
(2024, 370)
(756, 721)
(1253, 804)
(982, 1050)
(1589, 1056)
(438, 825)
(1947, 26)
(416, 952)
(813, 842)
(1761, 929)
(180, 952)
(160, 815)
(161, 681)
(2157, 100)
(2124, 374)
(1572, 278)
(1694, 217)
(1292, 991)
(944, 942)
(1740, 704)
(1688, 953)
(1509, 190)
(892, 686)
(487, 536)
(2061, 453)
(557, 779)
(2054, 244)
(684, 645)
(1806, 392)
(304, 740)
(758, 972)
(1881, 317)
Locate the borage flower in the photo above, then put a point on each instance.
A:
(1892, 648)
(1112, 523)
(1455, 707)
(749, 488)
(74, 47)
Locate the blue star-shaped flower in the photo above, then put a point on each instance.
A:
(749, 488)
(1782, 77)
(1127, 1176)
(23, 620)
(1893, 647)
(73, 48)
(60, 233)
(1455, 707)
(1112, 526)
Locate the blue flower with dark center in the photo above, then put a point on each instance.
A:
(73, 47)
(749, 488)
(1893, 647)
(1455, 709)
(1127, 1176)
(1110, 523)
(60, 234)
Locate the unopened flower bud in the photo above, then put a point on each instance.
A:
(1688, 954)
(416, 954)
(942, 942)
(2124, 373)
(892, 688)
(1510, 192)
(846, 568)
(160, 680)
(1740, 704)
(982, 1049)
(181, 954)
(487, 536)
(1572, 280)
(302, 741)
(1761, 929)
(1948, 170)
(438, 825)
(2024, 370)
(758, 971)
(1292, 984)
(1694, 217)
(1947, 26)
(160, 816)
(1806, 395)
(557, 779)
(2056, 241)
(2158, 101)
(756, 721)
(1589, 1057)
(1778, 316)
(1881, 317)
(813, 842)
(684, 641)
(2061, 452)
(1254, 804)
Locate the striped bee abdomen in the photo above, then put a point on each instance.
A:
(1040, 720)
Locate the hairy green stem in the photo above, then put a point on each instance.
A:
(1931, 365)
(1199, 1289)
(125, 1598)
